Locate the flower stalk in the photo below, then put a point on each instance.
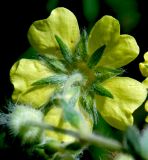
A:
(91, 139)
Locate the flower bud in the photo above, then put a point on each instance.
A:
(19, 120)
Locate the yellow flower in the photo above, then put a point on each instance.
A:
(144, 65)
(144, 70)
(23, 73)
(118, 97)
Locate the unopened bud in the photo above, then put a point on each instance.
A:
(19, 123)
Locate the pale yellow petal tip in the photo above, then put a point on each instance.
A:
(146, 56)
(109, 19)
(146, 106)
(143, 66)
(145, 83)
(144, 69)
(61, 22)
(146, 119)
(121, 123)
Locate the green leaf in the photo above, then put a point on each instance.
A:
(30, 53)
(96, 56)
(3, 144)
(53, 63)
(81, 49)
(51, 147)
(64, 49)
(144, 143)
(103, 128)
(132, 141)
(56, 79)
(100, 153)
(100, 90)
(71, 115)
(91, 9)
(74, 146)
(64, 156)
(127, 13)
(51, 4)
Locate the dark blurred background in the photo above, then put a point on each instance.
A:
(17, 16)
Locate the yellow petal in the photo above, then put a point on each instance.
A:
(120, 53)
(104, 31)
(145, 82)
(62, 23)
(22, 74)
(128, 94)
(146, 119)
(55, 117)
(146, 56)
(146, 106)
(144, 65)
(120, 49)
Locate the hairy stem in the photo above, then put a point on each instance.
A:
(91, 139)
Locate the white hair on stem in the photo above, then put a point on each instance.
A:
(17, 120)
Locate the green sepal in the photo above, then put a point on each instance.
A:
(81, 48)
(103, 73)
(132, 141)
(96, 56)
(64, 49)
(73, 100)
(56, 79)
(113, 71)
(53, 63)
(51, 147)
(74, 146)
(88, 104)
(64, 156)
(144, 143)
(100, 90)
(30, 53)
(70, 114)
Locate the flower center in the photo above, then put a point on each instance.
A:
(87, 73)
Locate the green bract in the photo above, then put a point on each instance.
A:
(88, 63)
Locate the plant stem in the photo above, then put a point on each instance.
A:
(76, 77)
(91, 139)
